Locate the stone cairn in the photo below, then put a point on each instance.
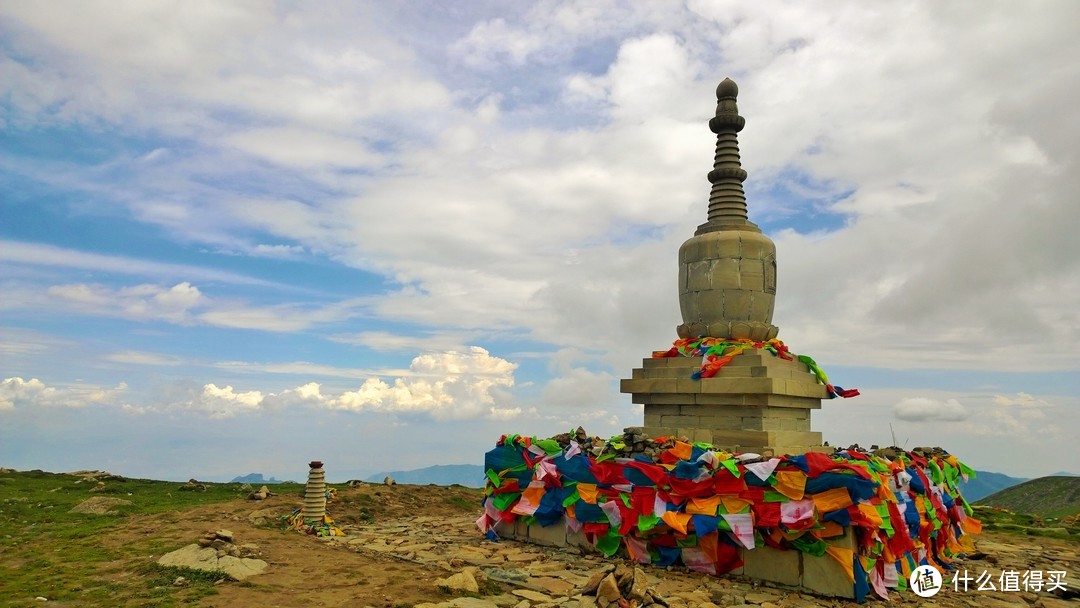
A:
(315, 494)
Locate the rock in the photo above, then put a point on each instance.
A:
(593, 582)
(261, 516)
(467, 602)
(225, 535)
(532, 596)
(100, 487)
(100, 505)
(207, 559)
(181, 582)
(193, 486)
(552, 585)
(389, 481)
(608, 591)
(462, 582)
(760, 598)
(635, 590)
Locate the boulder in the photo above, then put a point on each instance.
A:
(100, 505)
(462, 582)
(207, 559)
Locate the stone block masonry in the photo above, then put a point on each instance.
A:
(758, 402)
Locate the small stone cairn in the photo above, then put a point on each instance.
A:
(635, 442)
(315, 494)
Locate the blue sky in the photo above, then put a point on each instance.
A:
(236, 237)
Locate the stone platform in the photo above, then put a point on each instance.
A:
(791, 569)
(757, 403)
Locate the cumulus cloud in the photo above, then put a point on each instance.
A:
(224, 402)
(449, 385)
(923, 409)
(18, 393)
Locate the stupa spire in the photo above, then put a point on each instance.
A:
(727, 200)
(727, 270)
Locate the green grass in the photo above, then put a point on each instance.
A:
(1024, 523)
(46, 550)
(1049, 497)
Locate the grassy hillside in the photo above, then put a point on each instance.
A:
(46, 546)
(1046, 496)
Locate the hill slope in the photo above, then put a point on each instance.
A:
(986, 483)
(1046, 496)
(468, 475)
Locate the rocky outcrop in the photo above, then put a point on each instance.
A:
(215, 552)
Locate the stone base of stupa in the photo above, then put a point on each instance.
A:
(821, 575)
(757, 403)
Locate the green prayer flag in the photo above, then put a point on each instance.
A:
(966, 470)
(503, 502)
(774, 496)
(689, 541)
(608, 545)
(571, 499)
(647, 522)
(810, 545)
(550, 446)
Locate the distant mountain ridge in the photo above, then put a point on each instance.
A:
(986, 483)
(1056, 496)
(468, 475)
(253, 478)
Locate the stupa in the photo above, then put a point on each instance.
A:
(757, 402)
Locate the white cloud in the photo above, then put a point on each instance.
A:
(1023, 400)
(923, 409)
(306, 368)
(531, 170)
(143, 358)
(144, 302)
(296, 147)
(182, 304)
(493, 42)
(225, 402)
(384, 341)
(449, 385)
(17, 393)
(48, 255)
